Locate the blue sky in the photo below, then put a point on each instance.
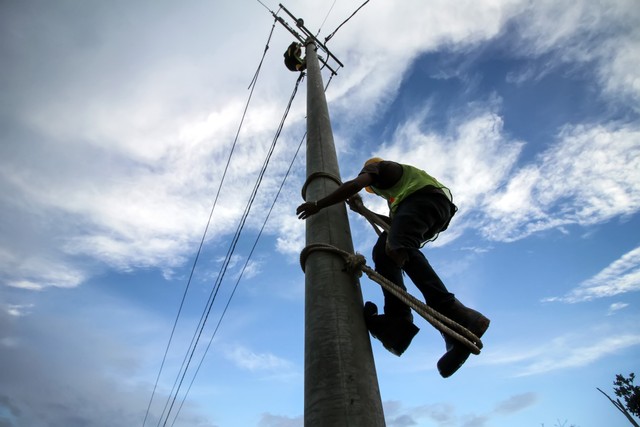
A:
(116, 122)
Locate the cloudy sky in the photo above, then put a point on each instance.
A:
(116, 124)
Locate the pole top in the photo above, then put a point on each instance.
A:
(308, 38)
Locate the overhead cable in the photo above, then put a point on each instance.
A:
(345, 21)
(265, 6)
(295, 156)
(266, 48)
(206, 229)
(325, 18)
(277, 135)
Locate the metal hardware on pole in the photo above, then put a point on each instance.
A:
(307, 35)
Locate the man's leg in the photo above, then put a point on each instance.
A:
(426, 280)
(394, 328)
(438, 297)
(417, 218)
(387, 267)
(422, 217)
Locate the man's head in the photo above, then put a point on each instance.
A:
(373, 160)
(367, 163)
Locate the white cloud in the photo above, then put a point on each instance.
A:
(120, 132)
(445, 414)
(590, 175)
(248, 268)
(270, 420)
(615, 307)
(581, 32)
(37, 272)
(253, 268)
(397, 415)
(127, 158)
(621, 276)
(619, 72)
(71, 364)
(564, 352)
(378, 60)
(291, 239)
(18, 310)
(560, 354)
(516, 403)
(116, 130)
(473, 158)
(246, 359)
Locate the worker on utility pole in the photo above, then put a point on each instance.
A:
(420, 208)
(293, 57)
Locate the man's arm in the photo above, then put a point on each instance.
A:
(340, 194)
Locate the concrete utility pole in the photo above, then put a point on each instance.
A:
(341, 387)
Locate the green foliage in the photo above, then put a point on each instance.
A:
(630, 393)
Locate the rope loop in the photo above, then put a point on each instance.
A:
(320, 247)
(356, 264)
(315, 175)
(357, 205)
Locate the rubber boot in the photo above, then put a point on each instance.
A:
(394, 332)
(457, 353)
(454, 357)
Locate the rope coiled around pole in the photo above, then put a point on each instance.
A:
(356, 264)
(315, 175)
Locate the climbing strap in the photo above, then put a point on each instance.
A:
(355, 204)
(356, 264)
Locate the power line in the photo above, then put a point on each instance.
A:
(203, 319)
(227, 260)
(325, 18)
(265, 6)
(266, 48)
(345, 21)
(204, 234)
(277, 135)
(295, 156)
(213, 295)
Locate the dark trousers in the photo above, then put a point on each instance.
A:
(417, 219)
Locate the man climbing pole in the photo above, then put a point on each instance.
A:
(293, 59)
(420, 208)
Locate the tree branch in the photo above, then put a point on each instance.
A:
(620, 408)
